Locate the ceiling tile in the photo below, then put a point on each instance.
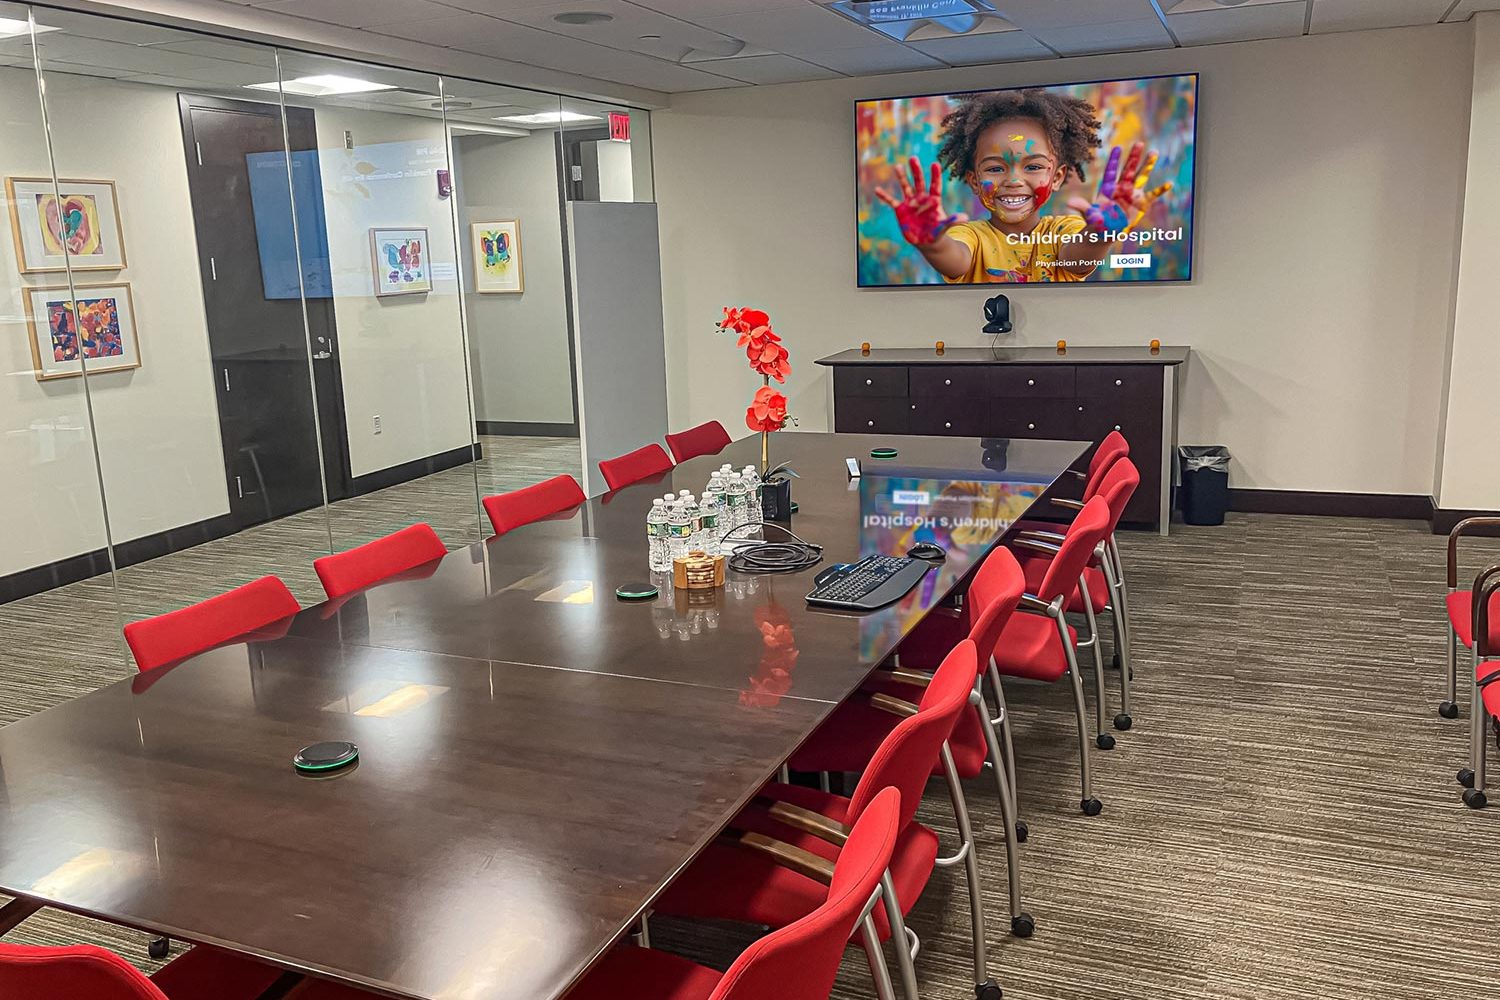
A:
(697, 10)
(1235, 24)
(208, 48)
(1468, 8)
(972, 50)
(1112, 36)
(358, 13)
(869, 60)
(1036, 15)
(495, 8)
(1354, 15)
(630, 23)
(795, 30)
(768, 69)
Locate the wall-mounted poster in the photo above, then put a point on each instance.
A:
(401, 261)
(101, 327)
(83, 224)
(497, 256)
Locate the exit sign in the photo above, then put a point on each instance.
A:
(619, 126)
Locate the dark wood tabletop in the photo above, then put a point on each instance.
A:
(537, 759)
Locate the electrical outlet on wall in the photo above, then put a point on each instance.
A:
(377, 423)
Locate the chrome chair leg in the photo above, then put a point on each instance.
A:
(879, 971)
(1103, 740)
(1021, 923)
(905, 965)
(1122, 644)
(1474, 796)
(984, 986)
(1090, 805)
(1449, 709)
(1002, 719)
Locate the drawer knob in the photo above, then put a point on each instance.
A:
(1031, 381)
(1080, 409)
(947, 381)
(947, 423)
(1031, 427)
(869, 423)
(869, 382)
(914, 406)
(1118, 382)
(1117, 426)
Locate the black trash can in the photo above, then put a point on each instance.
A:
(1204, 494)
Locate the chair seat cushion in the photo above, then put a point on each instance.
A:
(1461, 617)
(732, 882)
(1034, 565)
(631, 973)
(1029, 648)
(848, 739)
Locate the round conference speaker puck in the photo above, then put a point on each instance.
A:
(882, 452)
(635, 591)
(329, 756)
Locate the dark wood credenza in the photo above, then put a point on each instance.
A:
(1023, 392)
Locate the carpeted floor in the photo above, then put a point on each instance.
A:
(1282, 822)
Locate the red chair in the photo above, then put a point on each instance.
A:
(1460, 607)
(1041, 645)
(509, 511)
(797, 962)
(188, 631)
(1102, 589)
(705, 439)
(743, 879)
(850, 737)
(345, 572)
(1484, 700)
(83, 972)
(643, 463)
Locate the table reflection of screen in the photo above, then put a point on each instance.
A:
(906, 506)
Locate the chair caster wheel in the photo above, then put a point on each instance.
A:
(1091, 807)
(1474, 798)
(1123, 721)
(1114, 661)
(1022, 831)
(158, 948)
(1448, 710)
(1104, 741)
(1022, 925)
(987, 990)
(1466, 778)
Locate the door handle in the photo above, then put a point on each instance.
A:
(322, 355)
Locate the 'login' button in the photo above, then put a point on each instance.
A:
(1127, 260)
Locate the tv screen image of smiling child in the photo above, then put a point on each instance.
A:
(1013, 149)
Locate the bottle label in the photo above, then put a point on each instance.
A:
(711, 521)
(682, 530)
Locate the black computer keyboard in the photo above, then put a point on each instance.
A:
(871, 583)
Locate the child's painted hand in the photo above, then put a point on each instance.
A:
(1123, 199)
(920, 212)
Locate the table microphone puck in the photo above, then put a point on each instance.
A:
(635, 591)
(329, 756)
(882, 452)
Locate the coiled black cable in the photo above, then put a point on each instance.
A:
(773, 557)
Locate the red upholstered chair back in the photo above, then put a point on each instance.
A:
(906, 756)
(1088, 529)
(705, 439)
(801, 960)
(345, 572)
(509, 511)
(993, 596)
(179, 634)
(1117, 488)
(81, 972)
(1113, 448)
(642, 463)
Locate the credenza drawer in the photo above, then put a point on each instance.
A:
(963, 416)
(1105, 382)
(948, 380)
(871, 415)
(869, 380)
(1032, 381)
(1024, 417)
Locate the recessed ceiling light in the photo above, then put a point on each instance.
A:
(515, 133)
(583, 17)
(549, 118)
(10, 27)
(650, 38)
(323, 85)
(451, 103)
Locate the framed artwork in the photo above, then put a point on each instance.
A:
(401, 261)
(83, 224)
(497, 256)
(102, 327)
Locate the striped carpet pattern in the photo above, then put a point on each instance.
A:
(1281, 822)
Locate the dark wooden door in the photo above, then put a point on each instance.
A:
(253, 284)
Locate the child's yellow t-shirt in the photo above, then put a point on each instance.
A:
(1027, 261)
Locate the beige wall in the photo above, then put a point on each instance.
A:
(1469, 461)
(1330, 179)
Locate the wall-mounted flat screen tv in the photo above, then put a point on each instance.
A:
(1079, 182)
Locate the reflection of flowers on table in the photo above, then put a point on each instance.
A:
(777, 661)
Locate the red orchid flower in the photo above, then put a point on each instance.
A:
(767, 412)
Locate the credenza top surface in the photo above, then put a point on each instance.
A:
(1009, 356)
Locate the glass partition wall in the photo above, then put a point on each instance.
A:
(263, 305)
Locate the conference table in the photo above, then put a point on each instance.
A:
(538, 759)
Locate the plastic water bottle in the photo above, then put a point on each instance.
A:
(736, 502)
(712, 508)
(753, 500)
(680, 529)
(695, 522)
(657, 544)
